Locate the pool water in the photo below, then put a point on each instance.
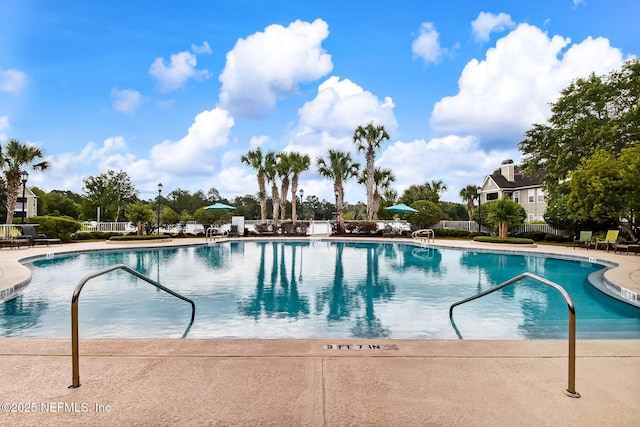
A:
(314, 289)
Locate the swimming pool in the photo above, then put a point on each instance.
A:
(314, 289)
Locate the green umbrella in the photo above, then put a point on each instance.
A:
(219, 207)
(401, 208)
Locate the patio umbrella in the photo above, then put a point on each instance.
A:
(219, 207)
(401, 208)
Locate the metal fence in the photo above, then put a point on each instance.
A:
(472, 226)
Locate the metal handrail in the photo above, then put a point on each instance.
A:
(571, 388)
(430, 234)
(75, 353)
(211, 233)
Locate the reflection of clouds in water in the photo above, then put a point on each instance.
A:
(268, 289)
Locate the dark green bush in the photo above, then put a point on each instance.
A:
(130, 237)
(511, 240)
(61, 227)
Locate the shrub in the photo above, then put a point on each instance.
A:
(511, 240)
(61, 227)
(122, 238)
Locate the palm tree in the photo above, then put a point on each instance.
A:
(257, 162)
(271, 175)
(436, 188)
(17, 157)
(283, 168)
(368, 139)
(469, 194)
(382, 179)
(340, 168)
(299, 163)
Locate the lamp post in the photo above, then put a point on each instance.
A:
(479, 191)
(24, 175)
(159, 192)
(301, 210)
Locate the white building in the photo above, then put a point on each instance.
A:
(511, 182)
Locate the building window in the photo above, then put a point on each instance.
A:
(540, 196)
(531, 217)
(516, 196)
(492, 196)
(531, 195)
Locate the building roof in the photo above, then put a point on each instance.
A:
(520, 180)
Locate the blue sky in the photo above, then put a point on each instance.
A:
(176, 92)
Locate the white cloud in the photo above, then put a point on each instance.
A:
(200, 50)
(457, 161)
(329, 120)
(126, 100)
(502, 96)
(487, 23)
(269, 65)
(4, 125)
(12, 81)
(181, 68)
(195, 153)
(427, 45)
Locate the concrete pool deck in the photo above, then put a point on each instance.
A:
(303, 382)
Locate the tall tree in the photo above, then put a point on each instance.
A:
(382, 180)
(469, 194)
(283, 167)
(111, 192)
(299, 163)
(340, 167)
(271, 176)
(504, 213)
(591, 114)
(368, 140)
(436, 187)
(256, 160)
(606, 188)
(16, 157)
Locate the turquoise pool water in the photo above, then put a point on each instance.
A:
(317, 289)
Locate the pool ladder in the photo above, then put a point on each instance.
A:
(571, 388)
(75, 354)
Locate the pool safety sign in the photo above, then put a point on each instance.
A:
(361, 347)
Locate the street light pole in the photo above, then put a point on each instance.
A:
(479, 191)
(301, 210)
(24, 175)
(159, 192)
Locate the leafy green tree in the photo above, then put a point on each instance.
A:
(368, 140)
(428, 213)
(139, 213)
(57, 201)
(256, 160)
(13, 159)
(340, 167)
(169, 217)
(423, 192)
(247, 206)
(110, 192)
(504, 213)
(606, 188)
(436, 187)
(215, 217)
(453, 211)
(557, 216)
(592, 114)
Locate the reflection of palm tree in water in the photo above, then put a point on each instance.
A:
(373, 288)
(283, 300)
(337, 296)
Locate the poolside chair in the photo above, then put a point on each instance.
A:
(35, 238)
(584, 240)
(609, 241)
(13, 238)
(387, 231)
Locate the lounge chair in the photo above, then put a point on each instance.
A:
(584, 240)
(609, 241)
(13, 238)
(37, 239)
(387, 231)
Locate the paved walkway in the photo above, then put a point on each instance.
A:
(310, 382)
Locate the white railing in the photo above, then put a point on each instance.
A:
(472, 226)
(111, 227)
